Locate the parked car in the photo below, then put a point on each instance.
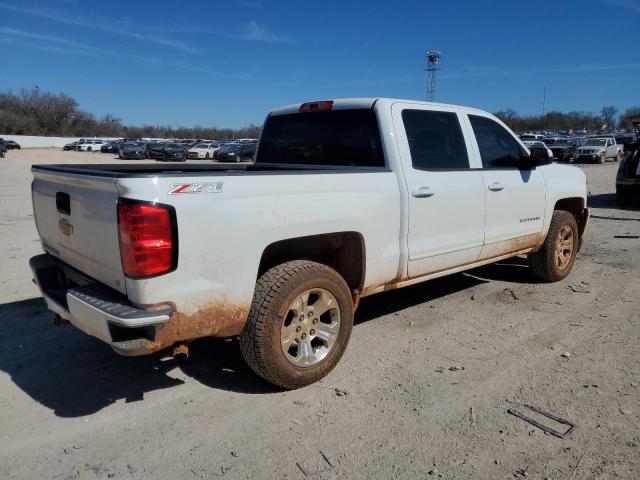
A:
(560, 148)
(628, 176)
(346, 198)
(538, 144)
(236, 152)
(3, 148)
(73, 145)
(627, 141)
(168, 151)
(89, 145)
(203, 150)
(11, 145)
(107, 146)
(150, 145)
(536, 137)
(598, 150)
(132, 150)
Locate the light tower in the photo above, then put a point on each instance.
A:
(433, 57)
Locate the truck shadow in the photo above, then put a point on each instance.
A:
(76, 375)
(608, 200)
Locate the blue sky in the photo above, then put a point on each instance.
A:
(227, 63)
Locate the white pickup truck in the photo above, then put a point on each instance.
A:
(345, 199)
(599, 150)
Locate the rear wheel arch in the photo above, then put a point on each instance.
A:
(344, 252)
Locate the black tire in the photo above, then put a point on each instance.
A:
(206, 156)
(88, 149)
(617, 157)
(543, 263)
(601, 159)
(624, 197)
(276, 289)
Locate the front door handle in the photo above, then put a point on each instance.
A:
(423, 192)
(496, 186)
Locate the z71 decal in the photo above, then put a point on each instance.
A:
(208, 187)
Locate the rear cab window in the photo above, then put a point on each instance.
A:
(435, 140)
(342, 137)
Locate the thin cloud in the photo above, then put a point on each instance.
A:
(252, 31)
(630, 5)
(65, 46)
(259, 32)
(149, 38)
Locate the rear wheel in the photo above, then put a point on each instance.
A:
(555, 259)
(617, 157)
(299, 324)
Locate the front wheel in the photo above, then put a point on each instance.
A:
(554, 260)
(617, 157)
(299, 323)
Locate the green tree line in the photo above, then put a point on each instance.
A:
(608, 118)
(32, 112)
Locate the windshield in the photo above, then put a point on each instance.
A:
(528, 137)
(230, 147)
(334, 137)
(201, 145)
(596, 142)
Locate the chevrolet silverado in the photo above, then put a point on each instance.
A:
(344, 199)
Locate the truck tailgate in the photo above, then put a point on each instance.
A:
(76, 217)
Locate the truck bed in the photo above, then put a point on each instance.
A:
(111, 170)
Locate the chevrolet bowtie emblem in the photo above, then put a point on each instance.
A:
(65, 227)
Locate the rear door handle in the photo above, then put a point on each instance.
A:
(423, 192)
(496, 186)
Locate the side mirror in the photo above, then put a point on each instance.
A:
(538, 156)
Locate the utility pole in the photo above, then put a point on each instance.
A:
(433, 58)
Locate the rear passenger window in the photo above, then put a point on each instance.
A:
(435, 140)
(498, 148)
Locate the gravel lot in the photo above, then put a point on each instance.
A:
(422, 391)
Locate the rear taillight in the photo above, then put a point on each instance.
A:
(316, 106)
(148, 243)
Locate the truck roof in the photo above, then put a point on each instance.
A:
(353, 103)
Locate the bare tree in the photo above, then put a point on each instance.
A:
(608, 114)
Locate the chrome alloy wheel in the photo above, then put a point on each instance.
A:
(310, 327)
(564, 247)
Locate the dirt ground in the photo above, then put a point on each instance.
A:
(422, 391)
